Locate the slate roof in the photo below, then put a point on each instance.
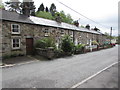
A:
(13, 16)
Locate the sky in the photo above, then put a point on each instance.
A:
(104, 12)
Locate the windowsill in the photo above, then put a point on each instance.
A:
(15, 33)
(14, 49)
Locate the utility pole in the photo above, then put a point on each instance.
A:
(110, 34)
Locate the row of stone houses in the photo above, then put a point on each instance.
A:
(19, 32)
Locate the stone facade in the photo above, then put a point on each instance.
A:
(38, 32)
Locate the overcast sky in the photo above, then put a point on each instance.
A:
(104, 12)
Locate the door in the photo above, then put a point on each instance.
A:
(29, 46)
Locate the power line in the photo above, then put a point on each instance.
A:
(82, 14)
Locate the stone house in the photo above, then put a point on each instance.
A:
(19, 33)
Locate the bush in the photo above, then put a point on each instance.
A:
(79, 48)
(67, 45)
(95, 43)
(45, 43)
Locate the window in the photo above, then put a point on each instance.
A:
(71, 33)
(87, 35)
(62, 32)
(88, 41)
(93, 37)
(15, 28)
(80, 35)
(15, 43)
(46, 32)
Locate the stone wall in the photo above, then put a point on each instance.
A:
(38, 32)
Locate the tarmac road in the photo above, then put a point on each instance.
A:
(59, 73)
(108, 78)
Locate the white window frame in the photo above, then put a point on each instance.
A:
(12, 29)
(87, 35)
(62, 32)
(19, 43)
(46, 33)
(80, 35)
(71, 33)
(87, 41)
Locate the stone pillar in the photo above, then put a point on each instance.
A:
(50, 52)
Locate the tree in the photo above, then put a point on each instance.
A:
(118, 39)
(46, 15)
(46, 9)
(82, 26)
(32, 8)
(28, 7)
(69, 19)
(25, 8)
(108, 36)
(13, 5)
(66, 18)
(53, 9)
(41, 8)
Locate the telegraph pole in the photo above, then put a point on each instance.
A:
(110, 34)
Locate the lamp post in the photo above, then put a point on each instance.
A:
(110, 34)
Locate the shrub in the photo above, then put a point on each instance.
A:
(79, 48)
(45, 43)
(95, 43)
(67, 45)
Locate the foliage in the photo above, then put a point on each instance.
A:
(66, 18)
(13, 5)
(45, 43)
(28, 6)
(2, 6)
(46, 9)
(20, 7)
(82, 26)
(53, 9)
(67, 45)
(79, 46)
(108, 36)
(46, 15)
(41, 8)
(118, 39)
(95, 43)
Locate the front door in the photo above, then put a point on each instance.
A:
(29, 46)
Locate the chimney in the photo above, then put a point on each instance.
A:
(58, 18)
(76, 23)
(88, 26)
(96, 29)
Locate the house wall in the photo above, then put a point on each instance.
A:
(38, 32)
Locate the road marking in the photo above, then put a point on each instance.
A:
(85, 80)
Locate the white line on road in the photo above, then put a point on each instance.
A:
(85, 80)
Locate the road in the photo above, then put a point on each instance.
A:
(58, 73)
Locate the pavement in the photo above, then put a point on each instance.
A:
(59, 73)
(17, 61)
